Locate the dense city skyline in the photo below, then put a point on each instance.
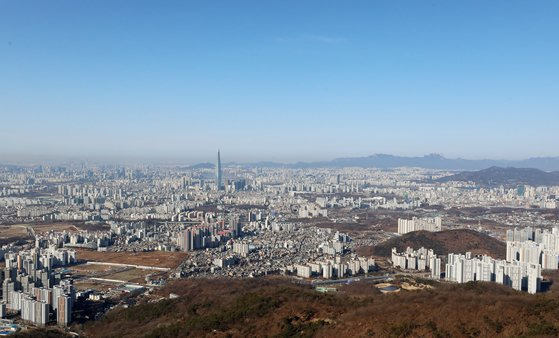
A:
(426, 161)
(290, 81)
(284, 168)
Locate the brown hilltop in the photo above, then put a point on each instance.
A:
(264, 308)
(443, 243)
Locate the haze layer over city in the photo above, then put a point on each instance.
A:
(293, 168)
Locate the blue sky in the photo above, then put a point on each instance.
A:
(279, 80)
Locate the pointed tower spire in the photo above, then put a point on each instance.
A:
(218, 172)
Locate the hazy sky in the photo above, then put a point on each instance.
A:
(279, 80)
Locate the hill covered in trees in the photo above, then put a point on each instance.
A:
(443, 243)
(279, 308)
(508, 177)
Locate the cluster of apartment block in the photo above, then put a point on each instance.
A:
(311, 210)
(518, 275)
(82, 239)
(31, 286)
(208, 236)
(421, 259)
(467, 268)
(333, 268)
(336, 245)
(534, 246)
(419, 224)
(241, 248)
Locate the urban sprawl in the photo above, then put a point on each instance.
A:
(81, 238)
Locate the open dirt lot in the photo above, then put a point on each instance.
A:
(161, 259)
(86, 284)
(90, 268)
(42, 228)
(132, 275)
(8, 231)
(11, 233)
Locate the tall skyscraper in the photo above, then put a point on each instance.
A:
(218, 172)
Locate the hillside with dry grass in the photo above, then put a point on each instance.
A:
(278, 308)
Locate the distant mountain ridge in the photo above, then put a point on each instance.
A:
(509, 177)
(431, 161)
(206, 165)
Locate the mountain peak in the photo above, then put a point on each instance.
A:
(509, 177)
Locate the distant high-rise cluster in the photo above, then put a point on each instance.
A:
(419, 224)
(310, 210)
(330, 268)
(518, 275)
(208, 236)
(241, 248)
(421, 259)
(534, 246)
